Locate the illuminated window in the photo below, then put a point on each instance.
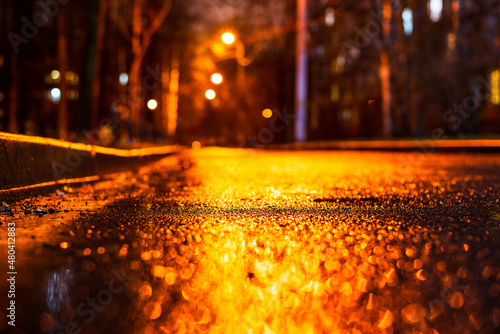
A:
(495, 87)
(55, 74)
(408, 21)
(123, 78)
(334, 93)
(55, 95)
(330, 17)
(435, 9)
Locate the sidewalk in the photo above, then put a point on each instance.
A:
(27, 161)
(415, 145)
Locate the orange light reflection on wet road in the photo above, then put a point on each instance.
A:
(267, 258)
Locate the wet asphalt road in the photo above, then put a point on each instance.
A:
(235, 241)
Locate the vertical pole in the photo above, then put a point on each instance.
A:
(240, 63)
(301, 73)
(386, 93)
(385, 70)
(240, 79)
(63, 69)
(173, 95)
(14, 93)
(96, 70)
(165, 84)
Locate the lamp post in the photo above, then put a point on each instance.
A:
(241, 62)
(301, 73)
(229, 39)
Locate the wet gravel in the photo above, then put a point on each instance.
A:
(240, 241)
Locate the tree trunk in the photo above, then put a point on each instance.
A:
(173, 95)
(14, 72)
(385, 86)
(385, 71)
(96, 74)
(14, 93)
(140, 41)
(165, 82)
(135, 96)
(92, 80)
(134, 88)
(62, 45)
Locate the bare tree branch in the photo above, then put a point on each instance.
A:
(155, 25)
(136, 27)
(120, 22)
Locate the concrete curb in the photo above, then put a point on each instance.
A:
(420, 145)
(27, 161)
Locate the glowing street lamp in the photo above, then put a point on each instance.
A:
(216, 78)
(210, 94)
(228, 38)
(267, 113)
(152, 104)
(55, 95)
(123, 79)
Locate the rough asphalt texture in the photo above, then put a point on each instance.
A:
(241, 241)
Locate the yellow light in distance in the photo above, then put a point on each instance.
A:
(216, 78)
(228, 38)
(495, 87)
(267, 113)
(196, 145)
(55, 74)
(210, 94)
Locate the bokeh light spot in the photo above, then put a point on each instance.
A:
(228, 38)
(196, 145)
(55, 74)
(210, 94)
(152, 104)
(123, 78)
(267, 113)
(216, 78)
(152, 310)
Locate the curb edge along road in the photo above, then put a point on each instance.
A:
(417, 145)
(27, 161)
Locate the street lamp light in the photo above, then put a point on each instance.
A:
(152, 104)
(216, 78)
(210, 94)
(267, 113)
(228, 38)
